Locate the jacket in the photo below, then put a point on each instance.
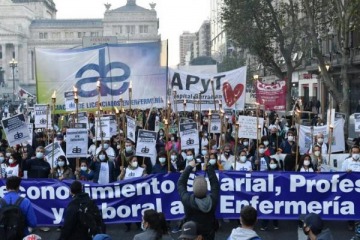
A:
(201, 211)
(72, 229)
(95, 166)
(242, 234)
(37, 168)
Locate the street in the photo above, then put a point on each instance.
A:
(288, 230)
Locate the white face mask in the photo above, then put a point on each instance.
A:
(273, 165)
(11, 161)
(1, 159)
(212, 161)
(118, 147)
(39, 155)
(162, 160)
(261, 150)
(189, 158)
(306, 162)
(266, 143)
(246, 144)
(243, 159)
(172, 139)
(102, 157)
(8, 154)
(61, 164)
(128, 149)
(320, 140)
(83, 169)
(317, 153)
(94, 140)
(356, 156)
(291, 138)
(134, 164)
(173, 157)
(106, 145)
(203, 152)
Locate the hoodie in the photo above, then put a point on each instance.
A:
(325, 235)
(242, 234)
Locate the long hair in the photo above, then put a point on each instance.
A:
(156, 222)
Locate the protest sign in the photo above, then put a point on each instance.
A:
(76, 142)
(42, 116)
(69, 101)
(83, 118)
(146, 143)
(52, 152)
(113, 124)
(215, 123)
(103, 130)
(189, 135)
(16, 130)
(248, 127)
(131, 129)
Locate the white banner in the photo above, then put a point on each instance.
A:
(76, 142)
(41, 121)
(131, 128)
(102, 130)
(52, 158)
(69, 101)
(228, 86)
(307, 134)
(113, 124)
(215, 123)
(146, 143)
(31, 132)
(189, 136)
(16, 130)
(83, 118)
(357, 122)
(248, 127)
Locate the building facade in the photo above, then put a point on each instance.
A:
(185, 44)
(29, 24)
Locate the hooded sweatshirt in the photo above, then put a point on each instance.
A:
(325, 235)
(242, 234)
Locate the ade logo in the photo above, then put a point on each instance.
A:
(104, 71)
(43, 121)
(190, 141)
(18, 135)
(145, 150)
(76, 150)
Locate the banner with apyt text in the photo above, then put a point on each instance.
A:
(140, 66)
(271, 95)
(283, 195)
(228, 87)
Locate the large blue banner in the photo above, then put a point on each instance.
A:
(282, 195)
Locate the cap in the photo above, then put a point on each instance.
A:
(200, 187)
(313, 221)
(102, 237)
(189, 230)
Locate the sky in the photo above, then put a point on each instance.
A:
(175, 16)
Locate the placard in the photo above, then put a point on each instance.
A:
(76, 142)
(248, 127)
(16, 130)
(189, 136)
(146, 143)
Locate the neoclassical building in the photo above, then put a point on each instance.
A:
(29, 24)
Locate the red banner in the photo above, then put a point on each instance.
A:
(271, 95)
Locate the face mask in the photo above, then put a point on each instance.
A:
(243, 159)
(203, 152)
(266, 143)
(83, 169)
(94, 140)
(128, 149)
(212, 161)
(246, 144)
(273, 165)
(355, 156)
(173, 157)
(317, 153)
(61, 164)
(172, 139)
(118, 147)
(205, 135)
(189, 158)
(161, 134)
(162, 160)
(227, 153)
(320, 140)
(261, 150)
(143, 227)
(134, 164)
(106, 145)
(291, 138)
(39, 155)
(11, 161)
(1, 159)
(306, 162)
(8, 154)
(102, 157)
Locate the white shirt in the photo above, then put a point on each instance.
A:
(109, 151)
(133, 173)
(350, 164)
(263, 164)
(244, 167)
(104, 173)
(12, 171)
(227, 162)
(302, 169)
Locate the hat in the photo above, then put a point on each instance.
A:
(102, 237)
(313, 221)
(188, 230)
(200, 187)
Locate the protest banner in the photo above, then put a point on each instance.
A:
(248, 127)
(69, 101)
(228, 86)
(103, 130)
(41, 120)
(83, 118)
(215, 123)
(16, 130)
(189, 135)
(113, 124)
(271, 95)
(306, 134)
(146, 143)
(76, 142)
(277, 195)
(116, 66)
(52, 152)
(131, 129)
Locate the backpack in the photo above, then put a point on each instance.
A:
(12, 220)
(89, 217)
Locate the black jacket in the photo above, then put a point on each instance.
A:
(201, 211)
(72, 229)
(37, 168)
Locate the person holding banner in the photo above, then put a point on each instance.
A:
(305, 164)
(318, 160)
(261, 162)
(62, 170)
(226, 158)
(109, 150)
(242, 163)
(104, 170)
(84, 173)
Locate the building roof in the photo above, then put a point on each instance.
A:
(51, 23)
(49, 3)
(130, 7)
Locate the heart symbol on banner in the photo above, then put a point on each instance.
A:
(230, 95)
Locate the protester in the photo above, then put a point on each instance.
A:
(305, 164)
(62, 170)
(248, 219)
(161, 165)
(319, 141)
(84, 173)
(38, 167)
(110, 152)
(226, 158)
(189, 231)
(104, 170)
(242, 163)
(74, 226)
(287, 144)
(313, 227)
(153, 225)
(13, 167)
(12, 197)
(177, 161)
(260, 160)
(199, 206)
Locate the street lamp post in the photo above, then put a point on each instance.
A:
(13, 64)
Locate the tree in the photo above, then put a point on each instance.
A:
(230, 62)
(272, 32)
(340, 18)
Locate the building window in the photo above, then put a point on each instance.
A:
(79, 34)
(41, 35)
(94, 34)
(130, 29)
(143, 29)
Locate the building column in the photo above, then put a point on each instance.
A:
(24, 63)
(4, 64)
